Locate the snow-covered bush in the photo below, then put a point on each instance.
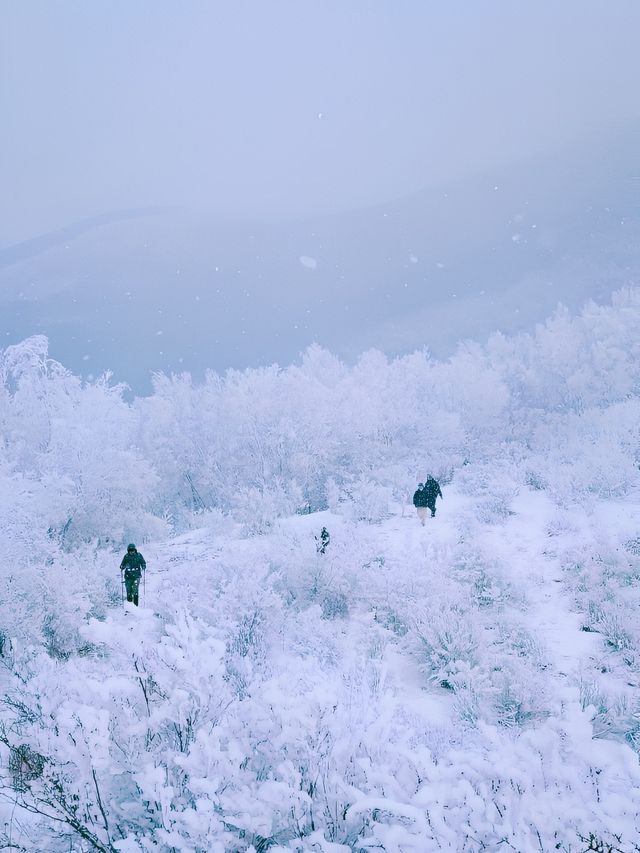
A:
(362, 500)
(447, 643)
(518, 696)
(612, 622)
(493, 488)
(258, 509)
(334, 605)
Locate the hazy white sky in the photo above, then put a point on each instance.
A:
(286, 107)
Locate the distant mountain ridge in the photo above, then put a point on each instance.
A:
(150, 289)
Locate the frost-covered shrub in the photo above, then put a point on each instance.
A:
(518, 696)
(335, 605)
(589, 456)
(617, 634)
(362, 500)
(517, 640)
(591, 696)
(215, 520)
(614, 716)
(488, 590)
(481, 572)
(305, 584)
(492, 509)
(468, 699)
(258, 509)
(391, 620)
(561, 524)
(351, 564)
(248, 635)
(25, 765)
(182, 517)
(447, 644)
(60, 639)
(633, 546)
(535, 480)
(493, 489)
(48, 590)
(612, 622)
(632, 734)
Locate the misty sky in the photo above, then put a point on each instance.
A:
(277, 109)
(195, 184)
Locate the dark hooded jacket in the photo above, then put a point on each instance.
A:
(133, 564)
(420, 498)
(432, 490)
(426, 496)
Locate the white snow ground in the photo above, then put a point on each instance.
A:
(347, 675)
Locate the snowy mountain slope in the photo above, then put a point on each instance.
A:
(463, 686)
(411, 689)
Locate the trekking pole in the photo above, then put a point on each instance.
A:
(144, 585)
(121, 587)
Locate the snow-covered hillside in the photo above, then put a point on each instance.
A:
(468, 685)
(410, 689)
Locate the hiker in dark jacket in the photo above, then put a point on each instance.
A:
(322, 541)
(425, 498)
(133, 564)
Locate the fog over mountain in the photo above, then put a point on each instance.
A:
(220, 185)
(175, 289)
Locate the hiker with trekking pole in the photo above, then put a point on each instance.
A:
(133, 565)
